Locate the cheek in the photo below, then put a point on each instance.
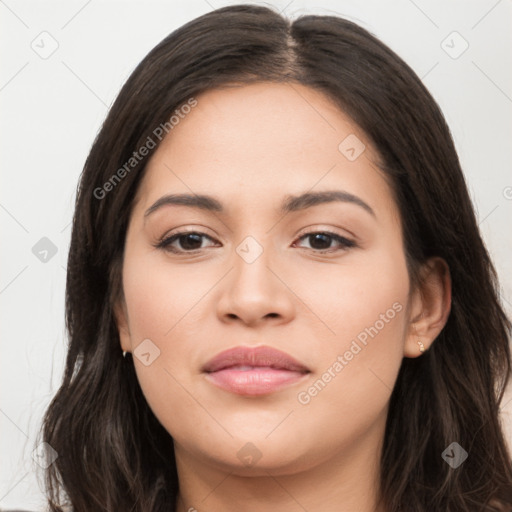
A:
(164, 306)
(365, 304)
(366, 290)
(161, 296)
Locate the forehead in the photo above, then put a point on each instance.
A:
(253, 144)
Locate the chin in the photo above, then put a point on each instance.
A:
(253, 454)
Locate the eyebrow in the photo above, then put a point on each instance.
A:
(290, 203)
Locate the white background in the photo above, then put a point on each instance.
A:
(53, 107)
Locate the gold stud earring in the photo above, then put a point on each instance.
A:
(420, 343)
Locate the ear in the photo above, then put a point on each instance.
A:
(121, 318)
(431, 305)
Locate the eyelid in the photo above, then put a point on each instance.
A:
(319, 228)
(184, 231)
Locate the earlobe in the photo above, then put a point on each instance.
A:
(431, 307)
(121, 319)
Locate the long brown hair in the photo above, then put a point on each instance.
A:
(113, 453)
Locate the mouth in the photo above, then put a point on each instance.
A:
(254, 371)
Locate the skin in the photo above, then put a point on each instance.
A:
(250, 146)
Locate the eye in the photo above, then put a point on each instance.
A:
(320, 241)
(190, 241)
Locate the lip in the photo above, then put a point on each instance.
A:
(254, 371)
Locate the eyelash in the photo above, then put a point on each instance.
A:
(165, 243)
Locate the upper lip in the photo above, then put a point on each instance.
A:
(254, 356)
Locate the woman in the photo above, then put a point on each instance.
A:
(337, 343)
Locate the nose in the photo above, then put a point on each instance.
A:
(256, 290)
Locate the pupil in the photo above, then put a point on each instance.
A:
(320, 236)
(187, 237)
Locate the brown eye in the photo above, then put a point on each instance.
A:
(321, 241)
(187, 241)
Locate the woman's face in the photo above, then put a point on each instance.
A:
(255, 275)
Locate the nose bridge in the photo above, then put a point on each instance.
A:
(253, 291)
(252, 259)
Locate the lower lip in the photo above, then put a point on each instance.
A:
(260, 381)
